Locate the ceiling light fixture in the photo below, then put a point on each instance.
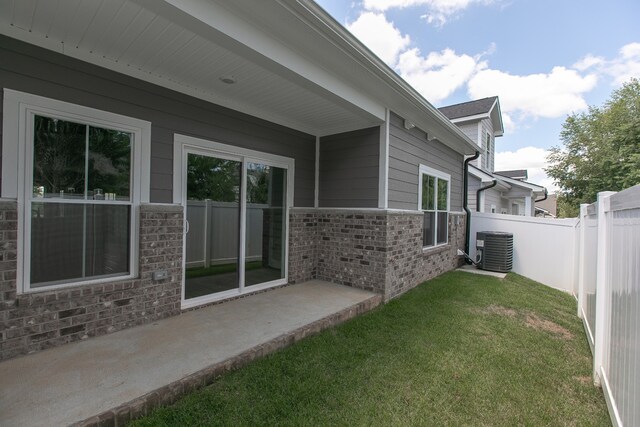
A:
(228, 80)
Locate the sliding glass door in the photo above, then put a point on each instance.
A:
(236, 221)
(266, 198)
(213, 218)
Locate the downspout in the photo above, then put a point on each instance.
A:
(480, 190)
(465, 201)
(546, 194)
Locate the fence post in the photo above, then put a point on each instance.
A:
(581, 250)
(207, 222)
(602, 282)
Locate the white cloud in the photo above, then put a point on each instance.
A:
(437, 75)
(626, 65)
(621, 68)
(533, 159)
(549, 95)
(438, 11)
(380, 35)
(587, 62)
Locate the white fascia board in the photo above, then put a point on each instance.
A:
(523, 184)
(203, 17)
(495, 109)
(471, 118)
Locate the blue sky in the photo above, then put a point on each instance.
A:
(545, 59)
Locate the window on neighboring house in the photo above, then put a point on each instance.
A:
(487, 155)
(81, 183)
(434, 195)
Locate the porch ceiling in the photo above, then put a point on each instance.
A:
(160, 43)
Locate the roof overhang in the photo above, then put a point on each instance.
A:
(293, 64)
(485, 178)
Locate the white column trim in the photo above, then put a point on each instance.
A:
(316, 200)
(383, 174)
(527, 205)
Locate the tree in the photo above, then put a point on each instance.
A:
(601, 150)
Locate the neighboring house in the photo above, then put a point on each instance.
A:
(547, 208)
(159, 156)
(504, 192)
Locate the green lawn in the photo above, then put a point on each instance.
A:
(461, 349)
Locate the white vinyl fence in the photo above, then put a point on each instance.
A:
(213, 232)
(544, 249)
(609, 298)
(597, 258)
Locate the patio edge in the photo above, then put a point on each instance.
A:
(170, 393)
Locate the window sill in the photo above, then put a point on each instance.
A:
(432, 250)
(63, 286)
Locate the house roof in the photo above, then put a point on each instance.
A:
(515, 174)
(485, 108)
(470, 108)
(291, 62)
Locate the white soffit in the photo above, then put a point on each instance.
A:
(179, 49)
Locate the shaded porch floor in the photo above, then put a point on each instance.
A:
(122, 375)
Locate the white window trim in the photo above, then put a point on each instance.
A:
(19, 109)
(426, 170)
(182, 145)
(487, 151)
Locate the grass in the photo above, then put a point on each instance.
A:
(193, 272)
(461, 349)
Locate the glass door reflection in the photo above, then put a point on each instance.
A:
(213, 215)
(266, 196)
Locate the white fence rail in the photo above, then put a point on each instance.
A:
(213, 232)
(544, 249)
(609, 298)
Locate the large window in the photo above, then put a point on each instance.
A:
(433, 194)
(79, 180)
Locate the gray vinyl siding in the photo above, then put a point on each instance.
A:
(41, 72)
(407, 150)
(474, 185)
(349, 169)
(471, 130)
(494, 197)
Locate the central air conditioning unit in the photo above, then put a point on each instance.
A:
(494, 251)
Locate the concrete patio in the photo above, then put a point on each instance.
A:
(117, 377)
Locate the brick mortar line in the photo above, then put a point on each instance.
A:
(170, 393)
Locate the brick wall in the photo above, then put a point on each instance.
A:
(40, 320)
(409, 263)
(375, 250)
(303, 250)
